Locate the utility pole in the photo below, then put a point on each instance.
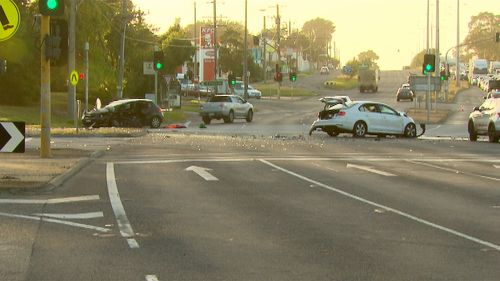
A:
(264, 52)
(215, 42)
(458, 45)
(119, 85)
(195, 68)
(438, 56)
(278, 42)
(45, 113)
(245, 51)
(87, 47)
(71, 59)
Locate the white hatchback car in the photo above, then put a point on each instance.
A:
(366, 117)
(239, 90)
(485, 120)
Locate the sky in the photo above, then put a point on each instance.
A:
(394, 29)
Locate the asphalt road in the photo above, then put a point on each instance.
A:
(264, 209)
(264, 201)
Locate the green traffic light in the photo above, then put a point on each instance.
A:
(428, 67)
(159, 65)
(52, 4)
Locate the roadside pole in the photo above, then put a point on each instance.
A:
(428, 99)
(87, 47)
(45, 113)
(71, 60)
(278, 42)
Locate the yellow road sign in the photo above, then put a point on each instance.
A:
(74, 78)
(10, 19)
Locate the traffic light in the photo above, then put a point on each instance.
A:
(429, 63)
(293, 76)
(3, 66)
(56, 43)
(443, 76)
(51, 7)
(231, 79)
(158, 60)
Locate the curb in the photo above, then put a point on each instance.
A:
(62, 178)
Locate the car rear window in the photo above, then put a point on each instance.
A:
(220, 99)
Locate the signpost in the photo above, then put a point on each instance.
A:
(10, 19)
(12, 136)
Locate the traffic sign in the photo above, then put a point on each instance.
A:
(10, 19)
(419, 83)
(74, 78)
(12, 136)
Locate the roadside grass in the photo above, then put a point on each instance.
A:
(271, 90)
(31, 114)
(453, 90)
(342, 83)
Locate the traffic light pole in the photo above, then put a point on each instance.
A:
(45, 113)
(71, 60)
(278, 41)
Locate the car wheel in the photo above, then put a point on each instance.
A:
(332, 132)
(492, 134)
(410, 131)
(206, 120)
(360, 129)
(155, 122)
(230, 118)
(472, 131)
(249, 116)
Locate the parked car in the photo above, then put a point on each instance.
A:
(239, 89)
(485, 120)
(226, 107)
(125, 113)
(366, 117)
(405, 93)
(324, 70)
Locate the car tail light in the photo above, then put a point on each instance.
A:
(341, 113)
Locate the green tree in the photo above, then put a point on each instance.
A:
(177, 47)
(368, 58)
(481, 38)
(418, 59)
(354, 64)
(319, 33)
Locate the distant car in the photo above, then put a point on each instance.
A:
(405, 85)
(125, 113)
(252, 92)
(324, 70)
(404, 93)
(493, 94)
(226, 107)
(485, 120)
(365, 117)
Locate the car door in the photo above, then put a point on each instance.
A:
(481, 117)
(370, 114)
(239, 106)
(391, 120)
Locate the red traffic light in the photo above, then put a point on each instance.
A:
(82, 76)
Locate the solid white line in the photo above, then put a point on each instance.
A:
(121, 217)
(453, 170)
(80, 216)
(371, 170)
(86, 226)
(50, 201)
(403, 214)
(132, 243)
(151, 278)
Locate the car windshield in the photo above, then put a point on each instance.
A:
(367, 146)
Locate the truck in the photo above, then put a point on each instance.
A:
(477, 67)
(226, 107)
(494, 67)
(368, 79)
